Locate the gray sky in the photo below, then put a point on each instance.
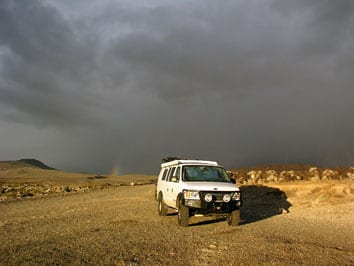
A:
(89, 85)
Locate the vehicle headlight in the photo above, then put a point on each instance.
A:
(208, 198)
(188, 194)
(227, 198)
(236, 196)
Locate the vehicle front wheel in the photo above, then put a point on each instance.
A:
(183, 215)
(161, 206)
(234, 218)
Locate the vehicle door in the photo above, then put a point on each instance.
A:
(169, 187)
(173, 186)
(161, 183)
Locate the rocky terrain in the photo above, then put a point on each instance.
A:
(290, 173)
(308, 222)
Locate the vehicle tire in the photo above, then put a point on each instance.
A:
(234, 218)
(183, 215)
(161, 206)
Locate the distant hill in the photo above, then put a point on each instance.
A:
(30, 178)
(35, 163)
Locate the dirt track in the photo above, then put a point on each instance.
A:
(120, 226)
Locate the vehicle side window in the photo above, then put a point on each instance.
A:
(164, 174)
(178, 171)
(170, 174)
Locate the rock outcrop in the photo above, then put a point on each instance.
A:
(314, 174)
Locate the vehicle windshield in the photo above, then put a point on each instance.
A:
(197, 173)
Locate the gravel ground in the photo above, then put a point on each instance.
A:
(120, 226)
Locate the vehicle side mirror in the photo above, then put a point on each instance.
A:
(233, 180)
(174, 179)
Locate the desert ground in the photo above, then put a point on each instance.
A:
(115, 222)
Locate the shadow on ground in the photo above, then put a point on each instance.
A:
(259, 203)
(262, 202)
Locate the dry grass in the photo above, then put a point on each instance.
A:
(308, 193)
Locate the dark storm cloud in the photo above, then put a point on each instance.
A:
(235, 47)
(44, 64)
(243, 82)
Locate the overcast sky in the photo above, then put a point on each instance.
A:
(89, 85)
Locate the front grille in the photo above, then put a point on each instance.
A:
(217, 205)
(217, 196)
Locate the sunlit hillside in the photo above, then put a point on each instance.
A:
(30, 177)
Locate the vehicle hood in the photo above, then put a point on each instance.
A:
(210, 186)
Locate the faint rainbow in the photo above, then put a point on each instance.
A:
(114, 170)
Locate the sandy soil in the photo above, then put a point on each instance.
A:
(120, 226)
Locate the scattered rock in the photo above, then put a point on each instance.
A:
(97, 177)
(3, 198)
(348, 190)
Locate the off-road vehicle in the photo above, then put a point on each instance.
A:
(197, 188)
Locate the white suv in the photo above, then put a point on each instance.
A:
(196, 187)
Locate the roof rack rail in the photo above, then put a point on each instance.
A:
(171, 158)
(191, 162)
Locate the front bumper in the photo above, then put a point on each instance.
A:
(202, 207)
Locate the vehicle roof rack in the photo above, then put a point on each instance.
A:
(170, 158)
(184, 161)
